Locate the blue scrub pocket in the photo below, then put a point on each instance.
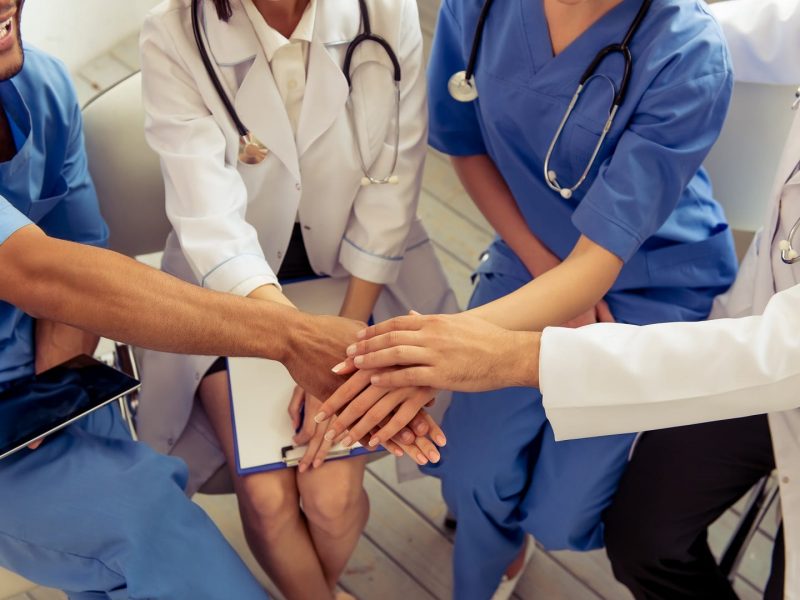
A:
(40, 207)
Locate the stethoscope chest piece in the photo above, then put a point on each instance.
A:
(251, 150)
(461, 88)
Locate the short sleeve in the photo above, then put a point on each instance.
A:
(454, 126)
(11, 220)
(77, 217)
(638, 187)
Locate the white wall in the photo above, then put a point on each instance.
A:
(78, 30)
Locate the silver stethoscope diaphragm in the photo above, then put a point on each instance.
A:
(796, 99)
(461, 88)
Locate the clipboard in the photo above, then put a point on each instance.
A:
(261, 390)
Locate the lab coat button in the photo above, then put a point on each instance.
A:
(280, 254)
(298, 187)
(306, 227)
(292, 84)
(170, 442)
(785, 479)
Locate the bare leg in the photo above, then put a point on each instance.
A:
(269, 503)
(337, 508)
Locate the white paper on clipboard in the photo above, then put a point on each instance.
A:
(261, 389)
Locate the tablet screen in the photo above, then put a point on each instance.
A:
(38, 405)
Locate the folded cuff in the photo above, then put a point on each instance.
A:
(240, 275)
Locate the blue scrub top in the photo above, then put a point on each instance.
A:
(646, 199)
(46, 183)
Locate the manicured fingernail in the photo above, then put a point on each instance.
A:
(420, 429)
(440, 440)
(330, 435)
(302, 468)
(413, 312)
(407, 437)
(347, 442)
(397, 452)
(317, 464)
(434, 456)
(358, 361)
(337, 369)
(362, 334)
(421, 460)
(351, 349)
(375, 379)
(374, 441)
(320, 417)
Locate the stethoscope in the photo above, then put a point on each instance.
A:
(462, 88)
(251, 150)
(788, 254)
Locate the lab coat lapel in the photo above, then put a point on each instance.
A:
(261, 109)
(336, 23)
(326, 96)
(233, 44)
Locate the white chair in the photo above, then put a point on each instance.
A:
(743, 161)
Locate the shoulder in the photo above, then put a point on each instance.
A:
(680, 41)
(45, 84)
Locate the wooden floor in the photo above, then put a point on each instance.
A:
(405, 551)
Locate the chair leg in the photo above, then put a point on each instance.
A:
(762, 497)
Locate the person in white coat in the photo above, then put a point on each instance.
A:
(299, 206)
(660, 376)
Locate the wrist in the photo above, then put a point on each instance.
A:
(522, 368)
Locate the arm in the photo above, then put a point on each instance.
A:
(56, 343)
(573, 287)
(377, 232)
(763, 37)
(206, 198)
(609, 379)
(110, 295)
(489, 191)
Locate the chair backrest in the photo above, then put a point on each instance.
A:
(744, 159)
(125, 170)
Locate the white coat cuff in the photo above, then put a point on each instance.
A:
(365, 265)
(559, 357)
(240, 275)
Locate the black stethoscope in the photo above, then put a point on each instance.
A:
(462, 88)
(788, 254)
(251, 150)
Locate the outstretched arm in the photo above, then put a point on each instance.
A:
(110, 295)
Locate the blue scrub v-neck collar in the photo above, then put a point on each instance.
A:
(20, 119)
(608, 29)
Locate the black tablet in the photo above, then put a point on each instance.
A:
(38, 406)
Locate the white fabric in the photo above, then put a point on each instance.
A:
(288, 58)
(607, 379)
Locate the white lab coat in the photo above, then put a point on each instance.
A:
(232, 222)
(609, 379)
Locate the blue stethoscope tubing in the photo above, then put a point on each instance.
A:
(462, 88)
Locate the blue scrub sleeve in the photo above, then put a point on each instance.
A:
(454, 126)
(664, 145)
(76, 217)
(11, 220)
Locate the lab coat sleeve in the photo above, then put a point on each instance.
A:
(77, 217)
(675, 124)
(455, 129)
(764, 39)
(206, 198)
(612, 378)
(377, 232)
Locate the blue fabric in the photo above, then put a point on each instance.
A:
(91, 511)
(503, 473)
(646, 199)
(100, 516)
(46, 183)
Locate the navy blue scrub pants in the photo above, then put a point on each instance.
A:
(99, 516)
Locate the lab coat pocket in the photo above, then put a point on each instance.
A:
(41, 206)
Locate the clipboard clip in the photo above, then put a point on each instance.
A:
(292, 455)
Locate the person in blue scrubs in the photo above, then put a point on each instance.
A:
(90, 511)
(640, 241)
